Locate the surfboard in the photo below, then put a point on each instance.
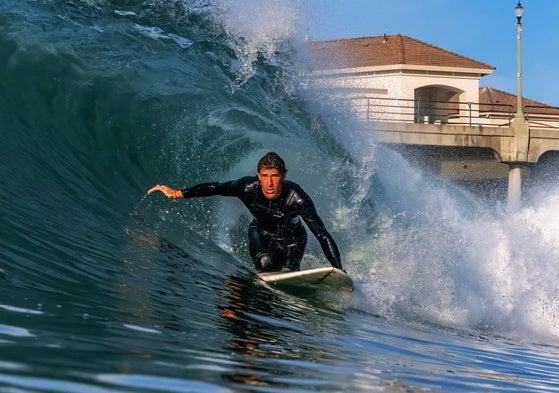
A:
(323, 279)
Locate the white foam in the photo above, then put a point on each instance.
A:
(260, 28)
(437, 253)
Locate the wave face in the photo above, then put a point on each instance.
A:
(101, 100)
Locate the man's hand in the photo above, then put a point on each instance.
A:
(167, 191)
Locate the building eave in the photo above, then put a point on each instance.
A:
(399, 69)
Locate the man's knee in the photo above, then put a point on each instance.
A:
(265, 262)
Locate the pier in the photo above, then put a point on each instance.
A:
(515, 143)
(415, 94)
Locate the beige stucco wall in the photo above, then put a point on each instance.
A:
(363, 87)
(397, 84)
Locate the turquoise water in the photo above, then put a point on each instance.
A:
(103, 289)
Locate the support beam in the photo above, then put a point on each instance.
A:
(514, 190)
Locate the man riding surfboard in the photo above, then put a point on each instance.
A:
(277, 237)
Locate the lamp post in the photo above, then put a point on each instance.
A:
(518, 12)
(519, 125)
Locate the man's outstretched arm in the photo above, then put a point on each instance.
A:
(227, 188)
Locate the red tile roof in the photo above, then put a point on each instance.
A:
(489, 95)
(387, 50)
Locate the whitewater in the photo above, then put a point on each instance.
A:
(106, 289)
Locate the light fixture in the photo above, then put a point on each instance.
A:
(518, 11)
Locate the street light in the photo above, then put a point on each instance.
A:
(518, 12)
(519, 125)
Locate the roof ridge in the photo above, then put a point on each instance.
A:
(356, 38)
(403, 48)
(489, 91)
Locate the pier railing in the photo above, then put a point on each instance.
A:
(379, 109)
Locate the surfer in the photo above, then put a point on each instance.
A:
(277, 237)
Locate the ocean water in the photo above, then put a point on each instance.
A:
(104, 289)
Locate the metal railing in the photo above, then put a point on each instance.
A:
(379, 109)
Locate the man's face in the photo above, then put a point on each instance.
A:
(272, 181)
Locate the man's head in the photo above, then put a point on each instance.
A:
(271, 173)
(272, 160)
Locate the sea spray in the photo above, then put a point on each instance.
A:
(438, 254)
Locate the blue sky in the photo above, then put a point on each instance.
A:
(484, 30)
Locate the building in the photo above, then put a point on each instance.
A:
(396, 78)
(399, 78)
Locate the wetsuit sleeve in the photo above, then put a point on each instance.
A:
(228, 188)
(207, 189)
(316, 226)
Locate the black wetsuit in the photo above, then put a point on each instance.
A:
(277, 238)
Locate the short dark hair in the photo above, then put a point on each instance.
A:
(272, 160)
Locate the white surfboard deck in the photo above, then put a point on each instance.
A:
(324, 279)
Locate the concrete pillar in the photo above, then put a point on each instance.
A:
(514, 190)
